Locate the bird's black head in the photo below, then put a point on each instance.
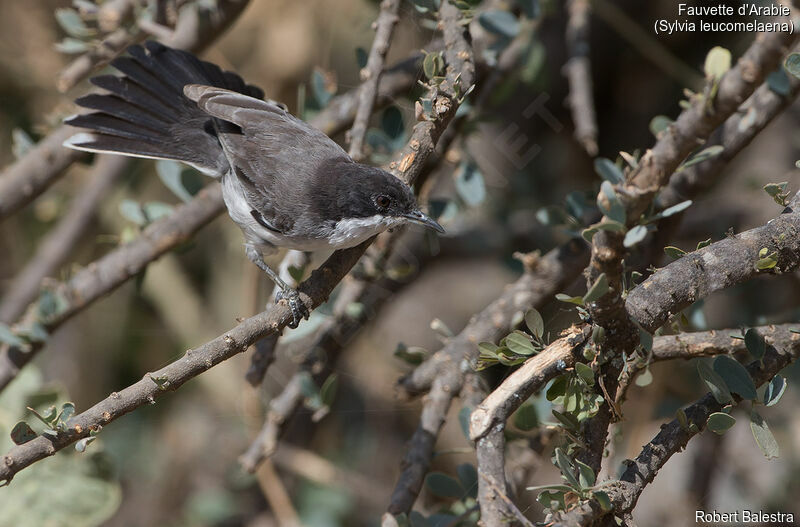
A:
(364, 192)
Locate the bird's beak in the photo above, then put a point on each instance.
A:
(423, 219)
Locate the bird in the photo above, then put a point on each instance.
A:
(284, 183)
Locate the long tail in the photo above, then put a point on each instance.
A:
(145, 113)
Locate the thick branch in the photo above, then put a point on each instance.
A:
(719, 266)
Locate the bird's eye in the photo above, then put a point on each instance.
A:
(383, 201)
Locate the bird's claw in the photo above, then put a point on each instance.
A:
(299, 309)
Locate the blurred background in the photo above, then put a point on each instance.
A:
(175, 463)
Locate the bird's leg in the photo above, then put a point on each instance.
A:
(299, 310)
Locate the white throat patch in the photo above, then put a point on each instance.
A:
(349, 232)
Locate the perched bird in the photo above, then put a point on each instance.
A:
(285, 183)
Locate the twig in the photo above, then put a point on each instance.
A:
(511, 511)
(275, 492)
(34, 172)
(370, 75)
(673, 438)
(578, 70)
(647, 45)
(55, 248)
(492, 478)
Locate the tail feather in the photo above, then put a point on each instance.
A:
(146, 113)
(117, 107)
(132, 93)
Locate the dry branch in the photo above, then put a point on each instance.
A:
(370, 75)
(578, 70)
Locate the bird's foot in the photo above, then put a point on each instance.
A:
(299, 309)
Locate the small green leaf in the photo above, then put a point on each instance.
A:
(577, 300)
(564, 463)
(675, 209)
(327, 392)
(413, 355)
(432, 64)
(720, 422)
(615, 210)
(715, 384)
(468, 478)
(645, 379)
(674, 252)
(598, 289)
(132, 211)
(81, 445)
(603, 499)
(21, 143)
(735, 376)
(659, 124)
(170, 173)
(534, 321)
(755, 343)
(766, 263)
(778, 82)
(792, 64)
(499, 22)
(608, 170)
(718, 61)
(635, 235)
(443, 485)
(775, 189)
(155, 210)
(646, 340)
(763, 436)
(361, 57)
(585, 372)
(8, 336)
(71, 22)
(67, 411)
(469, 184)
(519, 343)
(703, 155)
(463, 420)
(774, 390)
(586, 474)
(557, 388)
(568, 420)
(704, 243)
(525, 418)
(22, 433)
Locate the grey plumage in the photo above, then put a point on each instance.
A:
(285, 183)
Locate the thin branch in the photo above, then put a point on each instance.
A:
(54, 249)
(578, 70)
(673, 438)
(34, 172)
(370, 75)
